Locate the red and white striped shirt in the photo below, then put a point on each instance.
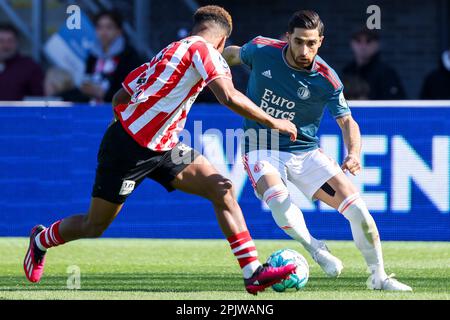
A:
(164, 89)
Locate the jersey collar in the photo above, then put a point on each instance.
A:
(198, 37)
(313, 68)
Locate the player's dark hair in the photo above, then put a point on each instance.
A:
(113, 15)
(215, 14)
(306, 19)
(7, 27)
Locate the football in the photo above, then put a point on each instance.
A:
(296, 280)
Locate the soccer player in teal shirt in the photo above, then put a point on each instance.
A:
(288, 80)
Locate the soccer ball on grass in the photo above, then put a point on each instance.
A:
(296, 280)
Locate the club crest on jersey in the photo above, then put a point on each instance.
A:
(303, 93)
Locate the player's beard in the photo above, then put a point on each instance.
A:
(303, 63)
(299, 62)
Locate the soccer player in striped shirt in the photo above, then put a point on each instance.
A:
(290, 81)
(151, 110)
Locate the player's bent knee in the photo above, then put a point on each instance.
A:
(265, 174)
(355, 210)
(277, 196)
(284, 212)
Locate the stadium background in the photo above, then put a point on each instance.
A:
(47, 154)
(413, 34)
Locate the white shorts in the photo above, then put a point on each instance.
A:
(308, 171)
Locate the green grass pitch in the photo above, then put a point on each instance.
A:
(206, 269)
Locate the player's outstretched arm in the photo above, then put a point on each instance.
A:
(232, 55)
(227, 95)
(352, 140)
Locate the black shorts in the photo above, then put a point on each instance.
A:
(123, 164)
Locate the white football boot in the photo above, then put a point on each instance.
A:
(331, 265)
(388, 284)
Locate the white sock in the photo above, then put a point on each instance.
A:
(38, 243)
(289, 217)
(365, 233)
(250, 269)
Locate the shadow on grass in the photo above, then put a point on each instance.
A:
(193, 282)
(137, 282)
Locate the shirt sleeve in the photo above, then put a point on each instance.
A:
(131, 81)
(209, 63)
(247, 52)
(337, 105)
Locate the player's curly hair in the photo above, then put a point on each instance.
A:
(306, 19)
(215, 14)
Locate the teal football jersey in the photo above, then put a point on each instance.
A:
(288, 93)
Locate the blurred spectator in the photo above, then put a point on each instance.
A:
(382, 80)
(437, 82)
(110, 60)
(20, 76)
(59, 83)
(356, 88)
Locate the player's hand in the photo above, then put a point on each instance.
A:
(285, 126)
(351, 164)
